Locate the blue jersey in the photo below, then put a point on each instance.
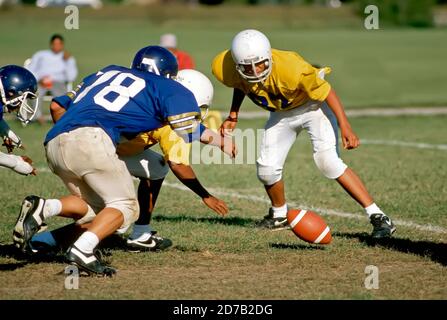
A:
(126, 102)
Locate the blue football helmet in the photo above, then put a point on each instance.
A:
(157, 60)
(18, 92)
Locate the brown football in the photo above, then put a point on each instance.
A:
(309, 226)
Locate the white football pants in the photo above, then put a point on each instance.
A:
(86, 161)
(281, 131)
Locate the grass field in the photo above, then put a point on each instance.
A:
(227, 258)
(370, 68)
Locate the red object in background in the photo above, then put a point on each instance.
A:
(184, 60)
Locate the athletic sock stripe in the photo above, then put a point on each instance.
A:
(322, 235)
(39, 209)
(81, 255)
(298, 218)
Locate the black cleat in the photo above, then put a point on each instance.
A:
(88, 262)
(273, 223)
(148, 242)
(29, 222)
(383, 226)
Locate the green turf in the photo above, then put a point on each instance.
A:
(226, 258)
(386, 67)
(216, 258)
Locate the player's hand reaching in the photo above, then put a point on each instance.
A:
(219, 206)
(228, 126)
(349, 138)
(28, 160)
(229, 147)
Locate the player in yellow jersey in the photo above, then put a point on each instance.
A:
(298, 97)
(151, 168)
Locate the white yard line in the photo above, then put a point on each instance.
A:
(370, 112)
(323, 211)
(418, 145)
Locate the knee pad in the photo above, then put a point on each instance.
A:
(268, 175)
(329, 163)
(130, 210)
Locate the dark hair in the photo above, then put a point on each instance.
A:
(56, 36)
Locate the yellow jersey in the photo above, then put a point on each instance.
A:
(291, 83)
(174, 148)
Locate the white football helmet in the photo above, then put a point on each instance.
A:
(199, 85)
(250, 47)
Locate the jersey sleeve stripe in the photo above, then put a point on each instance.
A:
(183, 115)
(185, 127)
(183, 119)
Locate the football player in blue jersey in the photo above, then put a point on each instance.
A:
(149, 166)
(18, 93)
(115, 102)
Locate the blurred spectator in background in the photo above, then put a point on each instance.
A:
(184, 60)
(54, 69)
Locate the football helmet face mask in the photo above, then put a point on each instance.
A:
(248, 49)
(18, 92)
(156, 59)
(199, 85)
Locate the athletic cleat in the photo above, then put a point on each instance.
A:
(148, 242)
(29, 222)
(273, 223)
(91, 263)
(383, 226)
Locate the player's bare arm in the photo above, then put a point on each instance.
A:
(349, 138)
(225, 143)
(230, 122)
(56, 110)
(187, 176)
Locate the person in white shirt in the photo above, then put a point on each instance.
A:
(53, 69)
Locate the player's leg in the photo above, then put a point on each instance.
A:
(110, 180)
(35, 210)
(56, 240)
(151, 168)
(277, 140)
(321, 125)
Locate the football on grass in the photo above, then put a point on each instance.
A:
(309, 226)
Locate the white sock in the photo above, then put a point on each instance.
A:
(139, 229)
(87, 242)
(45, 237)
(52, 208)
(371, 209)
(280, 212)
